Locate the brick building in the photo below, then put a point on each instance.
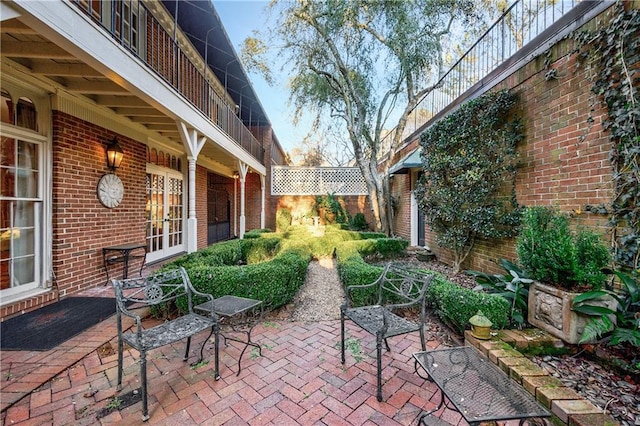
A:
(564, 157)
(159, 80)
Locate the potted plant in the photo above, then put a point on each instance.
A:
(563, 263)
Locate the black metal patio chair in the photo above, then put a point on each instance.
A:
(397, 287)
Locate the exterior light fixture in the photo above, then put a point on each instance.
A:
(114, 154)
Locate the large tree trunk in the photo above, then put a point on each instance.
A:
(377, 197)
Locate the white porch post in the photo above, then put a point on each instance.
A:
(193, 144)
(192, 220)
(243, 176)
(414, 220)
(262, 180)
(235, 205)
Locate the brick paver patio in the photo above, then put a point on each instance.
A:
(298, 380)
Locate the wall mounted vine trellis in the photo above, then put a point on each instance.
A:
(612, 53)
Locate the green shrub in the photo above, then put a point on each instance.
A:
(275, 282)
(359, 222)
(256, 233)
(455, 305)
(260, 249)
(551, 253)
(591, 256)
(283, 220)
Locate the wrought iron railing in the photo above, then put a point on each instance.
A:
(520, 24)
(136, 29)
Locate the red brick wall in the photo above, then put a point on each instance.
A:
(82, 226)
(252, 203)
(300, 205)
(201, 205)
(564, 160)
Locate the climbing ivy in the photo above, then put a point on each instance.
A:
(612, 53)
(469, 161)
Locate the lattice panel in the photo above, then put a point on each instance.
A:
(317, 181)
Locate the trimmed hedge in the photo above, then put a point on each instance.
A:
(455, 305)
(275, 282)
(353, 270)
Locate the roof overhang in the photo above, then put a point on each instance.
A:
(410, 161)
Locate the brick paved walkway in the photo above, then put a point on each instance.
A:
(298, 380)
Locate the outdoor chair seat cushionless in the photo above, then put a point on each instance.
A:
(155, 290)
(397, 287)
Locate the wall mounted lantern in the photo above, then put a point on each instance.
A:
(114, 154)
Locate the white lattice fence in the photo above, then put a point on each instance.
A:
(317, 181)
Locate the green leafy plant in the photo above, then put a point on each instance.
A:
(283, 219)
(610, 54)
(331, 209)
(514, 287)
(627, 313)
(359, 222)
(467, 190)
(114, 403)
(551, 253)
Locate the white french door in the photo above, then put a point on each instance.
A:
(20, 212)
(165, 223)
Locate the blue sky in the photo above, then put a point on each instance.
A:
(240, 18)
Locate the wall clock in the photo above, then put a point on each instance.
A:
(110, 190)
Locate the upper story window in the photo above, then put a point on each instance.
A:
(126, 22)
(21, 114)
(92, 7)
(122, 18)
(159, 158)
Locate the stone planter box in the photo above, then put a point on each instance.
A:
(550, 310)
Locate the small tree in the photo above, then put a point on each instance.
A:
(469, 160)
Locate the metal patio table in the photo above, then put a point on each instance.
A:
(123, 253)
(476, 387)
(242, 315)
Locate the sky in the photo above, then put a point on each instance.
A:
(240, 18)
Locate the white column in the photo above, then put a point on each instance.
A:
(235, 205)
(192, 220)
(414, 220)
(193, 145)
(262, 179)
(243, 176)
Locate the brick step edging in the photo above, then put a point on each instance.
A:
(566, 405)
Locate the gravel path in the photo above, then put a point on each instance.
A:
(320, 297)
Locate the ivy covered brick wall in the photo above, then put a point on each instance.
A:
(565, 155)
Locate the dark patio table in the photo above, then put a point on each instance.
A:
(123, 254)
(476, 387)
(242, 315)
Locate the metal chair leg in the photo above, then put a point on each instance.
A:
(143, 380)
(379, 365)
(342, 336)
(186, 352)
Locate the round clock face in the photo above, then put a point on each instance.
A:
(110, 190)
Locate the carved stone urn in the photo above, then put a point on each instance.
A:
(550, 310)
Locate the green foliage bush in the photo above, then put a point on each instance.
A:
(332, 208)
(455, 305)
(467, 190)
(283, 220)
(353, 270)
(359, 222)
(256, 233)
(275, 282)
(551, 253)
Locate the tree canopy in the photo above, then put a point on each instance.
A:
(365, 65)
